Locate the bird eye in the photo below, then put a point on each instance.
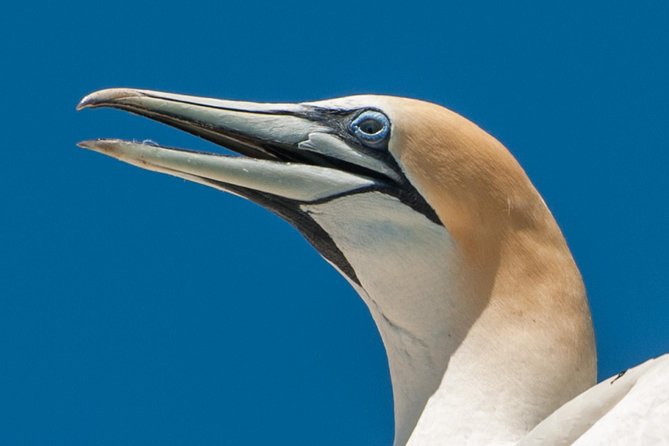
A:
(371, 127)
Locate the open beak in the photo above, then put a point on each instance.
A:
(290, 151)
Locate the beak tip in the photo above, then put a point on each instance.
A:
(106, 146)
(108, 96)
(85, 102)
(85, 144)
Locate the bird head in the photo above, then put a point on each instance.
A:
(295, 156)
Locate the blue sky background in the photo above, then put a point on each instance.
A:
(141, 309)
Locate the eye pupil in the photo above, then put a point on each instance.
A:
(370, 126)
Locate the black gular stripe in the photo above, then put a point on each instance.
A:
(408, 195)
(290, 211)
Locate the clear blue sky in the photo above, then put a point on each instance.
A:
(141, 309)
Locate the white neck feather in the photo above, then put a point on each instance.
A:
(456, 361)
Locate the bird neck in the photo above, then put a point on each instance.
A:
(525, 348)
(478, 351)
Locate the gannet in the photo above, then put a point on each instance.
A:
(480, 306)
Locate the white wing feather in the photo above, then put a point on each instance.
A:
(628, 409)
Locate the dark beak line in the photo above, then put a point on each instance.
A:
(111, 96)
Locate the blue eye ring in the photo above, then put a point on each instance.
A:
(371, 127)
